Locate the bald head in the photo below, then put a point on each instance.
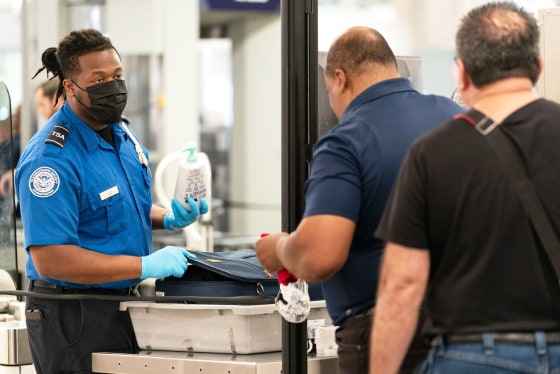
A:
(359, 50)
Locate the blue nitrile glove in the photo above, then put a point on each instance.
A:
(168, 261)
(180, 217)
(203, 206)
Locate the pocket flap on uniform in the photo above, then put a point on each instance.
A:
(104, 198)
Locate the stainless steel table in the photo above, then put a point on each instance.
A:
(167, 362)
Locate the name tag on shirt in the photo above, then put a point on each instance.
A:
(109, 193)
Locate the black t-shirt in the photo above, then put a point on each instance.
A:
(453, 197)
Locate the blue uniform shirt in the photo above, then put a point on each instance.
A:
(353, 170)
(75, 188)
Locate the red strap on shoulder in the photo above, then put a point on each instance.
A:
(465, 117)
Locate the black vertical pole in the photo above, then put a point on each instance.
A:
(299, 132)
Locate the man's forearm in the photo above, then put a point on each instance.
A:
(318, 248)
(404, 276)
(393, 328)
(79, 265)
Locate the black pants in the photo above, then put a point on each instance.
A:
(353, 344)
(64, 333)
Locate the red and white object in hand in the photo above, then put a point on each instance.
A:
(292, 301)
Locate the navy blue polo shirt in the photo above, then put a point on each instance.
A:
(75, 188)
(353, 170)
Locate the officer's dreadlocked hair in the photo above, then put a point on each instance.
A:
(63, 62)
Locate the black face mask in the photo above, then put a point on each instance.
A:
(107, 100)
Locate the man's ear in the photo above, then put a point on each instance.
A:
(69, 87)
(463, 78)
(541, 65)
(341, 80)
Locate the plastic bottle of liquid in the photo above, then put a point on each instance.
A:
(292, 301)
(193, 176)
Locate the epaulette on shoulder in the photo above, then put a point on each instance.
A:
(126, 120)
(58, 136)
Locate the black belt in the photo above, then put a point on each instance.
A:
(502, 337)
(37, 285)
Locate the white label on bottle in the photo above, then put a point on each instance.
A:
(191, 183)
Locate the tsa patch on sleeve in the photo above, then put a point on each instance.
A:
(44, 182)
(58, 136)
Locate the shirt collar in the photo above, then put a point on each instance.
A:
(383, 88)
(83, 130)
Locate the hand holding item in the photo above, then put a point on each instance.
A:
(180, 217)
(168, 261)
(292, 301)
(265, 248)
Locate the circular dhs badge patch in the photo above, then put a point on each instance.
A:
(44, 182)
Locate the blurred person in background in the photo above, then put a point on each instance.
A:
(46, 99)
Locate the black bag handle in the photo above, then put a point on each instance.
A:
(511, 159)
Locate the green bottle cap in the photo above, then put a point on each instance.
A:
(191, 148)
